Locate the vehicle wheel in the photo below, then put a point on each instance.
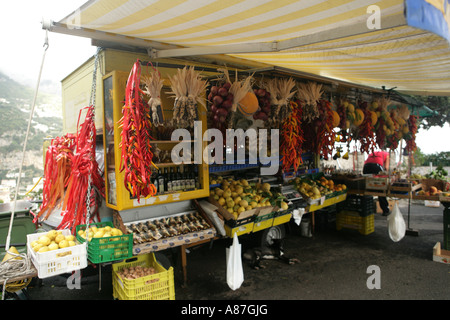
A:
(275, 232)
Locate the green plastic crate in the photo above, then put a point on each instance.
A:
(107, 249)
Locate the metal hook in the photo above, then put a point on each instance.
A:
(46, 45)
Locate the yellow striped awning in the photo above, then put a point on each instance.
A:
(391, 43)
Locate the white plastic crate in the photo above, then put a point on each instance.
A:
(55, 262)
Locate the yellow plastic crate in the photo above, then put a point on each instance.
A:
(352, 220)
(159, 286)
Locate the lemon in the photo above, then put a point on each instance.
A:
(44, 240)
(253, 204)
(230, 203)
(43, 249)
(63, 244)
(221, 201)
(59, 238)
(81, 232)
(94, 229)
(53, 246)
(107, 229)
(37, 246)
(230, 210)
(71, 243)
(243, 203)
(241, 209)
(69, 238)
(237, 199)
(98, 234)
(52, 234)
(33, 243)
(116, 232)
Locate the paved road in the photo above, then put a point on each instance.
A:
(333, 265)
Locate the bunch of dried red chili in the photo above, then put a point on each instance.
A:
(292, 139)
(57, 171)
(84, 173)
(135, 139)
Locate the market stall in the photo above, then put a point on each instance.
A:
(169, 176)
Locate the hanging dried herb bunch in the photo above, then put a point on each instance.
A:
(309, 93)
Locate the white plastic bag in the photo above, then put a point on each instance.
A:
(396, 224)
(235, 273)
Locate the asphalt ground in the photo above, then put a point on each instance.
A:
(333, 265)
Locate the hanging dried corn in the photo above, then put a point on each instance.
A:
(188, 87)
(280, 94)
(136, 159)
(153, 85)
(57, 171)
(292, 139)
(309, 93)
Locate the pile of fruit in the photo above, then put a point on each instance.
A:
(238, 196)
(52, 240)
(315, 189)
(432, 192)
(95, 232)
(311, 189)
(329, 184)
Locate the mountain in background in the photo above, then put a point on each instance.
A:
(16, 100)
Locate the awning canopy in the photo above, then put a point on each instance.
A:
(390, 43)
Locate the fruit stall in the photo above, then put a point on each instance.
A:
(155, 182)
(168, 147)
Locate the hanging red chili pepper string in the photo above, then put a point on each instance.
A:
(136, 159)
(84, 167)
(56, 173)
(292, 135)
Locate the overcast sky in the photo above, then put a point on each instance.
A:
(22, 40)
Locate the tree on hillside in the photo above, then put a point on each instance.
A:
(439, 104)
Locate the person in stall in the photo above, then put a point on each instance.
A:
(376, 162)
